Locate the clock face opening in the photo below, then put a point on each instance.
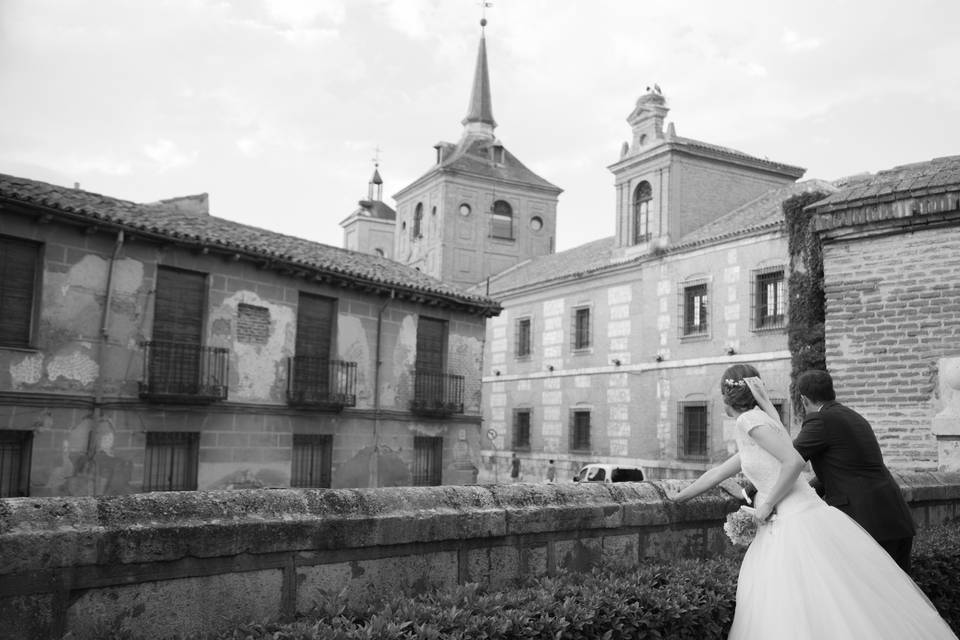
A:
(536, 223)
(465, 209)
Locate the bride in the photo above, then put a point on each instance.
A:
(811, 572)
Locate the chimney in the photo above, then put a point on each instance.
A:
(198, 205)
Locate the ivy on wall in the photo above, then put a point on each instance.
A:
(805, 330)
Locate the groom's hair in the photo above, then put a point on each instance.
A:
(816, 385)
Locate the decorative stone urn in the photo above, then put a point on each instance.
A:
(946, 424)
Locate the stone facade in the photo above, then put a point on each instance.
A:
(77, 399)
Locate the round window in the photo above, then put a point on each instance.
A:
(536, 223)
(464, 209)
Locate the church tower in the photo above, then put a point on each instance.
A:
(478, 210)
(370, 229)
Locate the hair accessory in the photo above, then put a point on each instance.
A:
(730, 382)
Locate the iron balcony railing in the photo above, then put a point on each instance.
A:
(320, 382)
(437, 393)
(184, 372)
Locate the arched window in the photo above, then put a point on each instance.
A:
(416, 232)
(642, 196)
(502, 220)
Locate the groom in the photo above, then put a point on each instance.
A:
(845, 455)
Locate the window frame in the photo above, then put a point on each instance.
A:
(502, 220)
(30, 312)
(580, 433)
(431, 448)
(156, 440)
(318, 447)
(684, 436)
(759, 302)
(522, 428)
(642, 197)
(581, 336)
(16, 449)
(687, 329)
(523, 338)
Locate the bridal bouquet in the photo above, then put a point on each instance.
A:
(741, 526)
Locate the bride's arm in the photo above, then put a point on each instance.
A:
(710, 479)
(759, 391)
(791, 464)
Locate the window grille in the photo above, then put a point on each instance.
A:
(312, 460)
(581, 328)
(521, 429)
(693, 430)
(170, 463)
(580, 431)
(427, 461)
(523, 338)
(768, 299)
(694, 310)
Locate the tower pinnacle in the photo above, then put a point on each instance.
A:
(479, 120)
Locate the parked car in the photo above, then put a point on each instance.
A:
(596, 472)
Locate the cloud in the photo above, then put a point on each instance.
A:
(300, 14)
(166, 154)
(794, 42)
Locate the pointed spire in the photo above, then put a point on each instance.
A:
(375, 186)
(480, 113)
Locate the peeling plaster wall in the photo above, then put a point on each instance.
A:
(259, 374)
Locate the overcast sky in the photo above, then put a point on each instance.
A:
(275, 107)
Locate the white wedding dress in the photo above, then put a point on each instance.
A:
(812, 573)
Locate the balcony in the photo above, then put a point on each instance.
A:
(183, 372)
(321, 383)
(437, 394)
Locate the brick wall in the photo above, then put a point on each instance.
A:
(892, 311)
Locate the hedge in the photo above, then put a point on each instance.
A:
(686, 599)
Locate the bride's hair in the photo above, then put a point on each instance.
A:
(734, 390)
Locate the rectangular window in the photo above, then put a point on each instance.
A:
(311, 371)
(427, 461)
(769, 301)
(170, 463)
(521, 429)
(312, 460)
(15, 450)
(692, 419)
(694, 310)
(580, 431)
(19, 268)
(523, 338)
(581, 328)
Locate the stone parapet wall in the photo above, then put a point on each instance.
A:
(163, 564)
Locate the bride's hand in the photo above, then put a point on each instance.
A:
(763, 513)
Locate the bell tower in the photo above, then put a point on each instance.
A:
(478, 210)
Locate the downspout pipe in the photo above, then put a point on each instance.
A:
(105, 321)
(375, 466)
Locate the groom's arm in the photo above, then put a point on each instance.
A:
(812, 439)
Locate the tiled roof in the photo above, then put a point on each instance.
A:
(764, 212)
(583, 259)
(472, 156)
(378, 209)
(920, 178)
(761, 212)
(733, 153)
(358, 269)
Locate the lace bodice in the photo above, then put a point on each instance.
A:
(760, 466)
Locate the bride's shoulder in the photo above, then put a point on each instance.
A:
(754, 418)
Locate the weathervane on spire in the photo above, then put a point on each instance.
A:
(376, 156)
(484, 5)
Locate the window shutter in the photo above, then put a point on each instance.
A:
(18, 276)
(180, 300)
(315, 326)
(431, 344)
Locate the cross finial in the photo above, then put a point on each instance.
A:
(484, 5)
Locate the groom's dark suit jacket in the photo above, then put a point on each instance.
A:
(845, 455)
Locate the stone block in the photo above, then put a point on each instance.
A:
(497, 566)
(27, 617)
(177, 607)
